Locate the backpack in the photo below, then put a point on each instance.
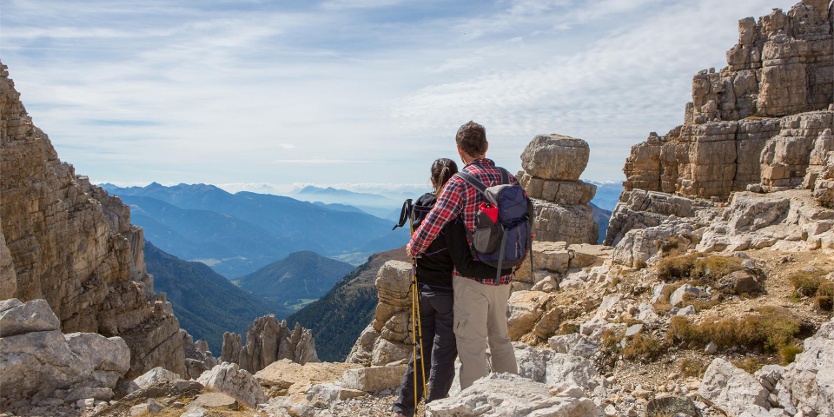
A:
(414, 212)
(503, 224)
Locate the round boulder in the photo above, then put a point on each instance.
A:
(555, 157)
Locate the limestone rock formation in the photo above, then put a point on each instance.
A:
(551, 167)
(756, 120)
(198, 357)
(556, 264)
(268, 340)
(39, 362)
(68, 242)
(387, 340)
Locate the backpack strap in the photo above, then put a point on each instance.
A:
(405, 214)
(469, 178)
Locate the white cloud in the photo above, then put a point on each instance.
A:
(352, 91)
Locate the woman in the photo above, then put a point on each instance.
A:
(448, 251)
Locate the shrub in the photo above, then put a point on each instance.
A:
(714, 267)
(644, 348)
(610, 340)
(751, 364)
(824, 299)
(805, 282)
(676, 268)
(788, 353)
(568, 328)
(693, 367)
(768, 330)
(682, 331)
(696, 267)
(671, 243)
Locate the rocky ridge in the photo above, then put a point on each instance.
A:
(68, 242)
(756, 120)
(267, 341)
(677, 318)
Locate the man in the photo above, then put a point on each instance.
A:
(480, 305)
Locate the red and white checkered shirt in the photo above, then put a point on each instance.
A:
(458, 197)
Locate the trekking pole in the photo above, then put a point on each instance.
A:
(416, 327)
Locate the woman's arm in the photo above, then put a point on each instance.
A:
(461, 254)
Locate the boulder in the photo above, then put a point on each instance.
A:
(80, 365)
(374, 378)
(810, 378)
(34, 316)
(511, 396)
(156, 376)
(285, 377)
(555, 157)
(230, 379)
(550, 367)
(731, 389)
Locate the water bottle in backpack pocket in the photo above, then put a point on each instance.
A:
(503, 232)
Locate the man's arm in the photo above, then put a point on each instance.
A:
(456, 243)
(447, 207)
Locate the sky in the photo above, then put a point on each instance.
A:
(355, 94)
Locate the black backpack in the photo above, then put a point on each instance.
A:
(503, 224)
(415, 213)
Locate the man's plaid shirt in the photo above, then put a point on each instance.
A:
(458, 197)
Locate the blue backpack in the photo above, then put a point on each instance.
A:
(502, 241)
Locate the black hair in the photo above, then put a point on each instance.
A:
(441, 170)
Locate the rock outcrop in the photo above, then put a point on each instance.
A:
(268, 340)
(387, 340)
(41, 363)
(70, 243)
(198, 357)
(551, 166)
(763, 124)
(756, 120)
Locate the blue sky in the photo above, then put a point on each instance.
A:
(355, 94)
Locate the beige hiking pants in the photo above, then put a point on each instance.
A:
(481, 319)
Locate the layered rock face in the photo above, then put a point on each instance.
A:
(757, 119)
(267, 341)
(551, 166)
(68, 242)
(387, 339)
(763, 124)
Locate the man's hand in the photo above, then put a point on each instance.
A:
(408, 250)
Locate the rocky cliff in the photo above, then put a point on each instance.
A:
(756, 120)
(762, 125)
(70, 243)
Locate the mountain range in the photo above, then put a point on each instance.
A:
(338, 317)
(205, 303)
(376, 204)
(295, 280)
(236, 234)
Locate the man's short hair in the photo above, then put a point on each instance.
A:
(471, 138)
